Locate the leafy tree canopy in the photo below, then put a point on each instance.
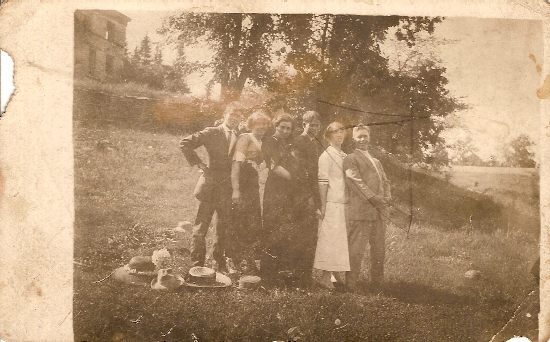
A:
(331, 63)
(519, 152)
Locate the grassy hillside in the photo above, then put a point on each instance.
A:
(465, 199)
(133, 186)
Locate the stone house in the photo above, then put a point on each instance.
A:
(100, 39)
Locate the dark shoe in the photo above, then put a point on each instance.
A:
(222, 269)
(325, 285)
(351, 287)
(340, 287)
(376, 287)
(305, 282)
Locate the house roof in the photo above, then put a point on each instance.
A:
(114, 15)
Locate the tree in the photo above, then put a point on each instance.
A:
(158, 56)
(241, 43)
(136, 57)
(519, 152)
(341, 62)
(145, 57)
(144, 68)
(465, 153)
(176, 75)
(338, 64)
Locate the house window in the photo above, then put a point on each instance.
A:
(91, 61)
(110, 33)
(109, 65)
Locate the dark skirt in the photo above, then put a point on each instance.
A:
(247, 218)
(287, 241)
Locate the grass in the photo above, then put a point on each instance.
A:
(126, 88)
(133, 186)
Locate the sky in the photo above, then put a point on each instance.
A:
(490, 66)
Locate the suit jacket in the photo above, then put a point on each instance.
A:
(364, 182)
(219, 158)
(310, 150)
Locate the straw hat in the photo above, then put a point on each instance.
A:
(206, 277)
(165, 280)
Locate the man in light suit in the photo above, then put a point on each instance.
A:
(367, 208)
(213, 189)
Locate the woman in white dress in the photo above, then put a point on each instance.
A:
(331, 255)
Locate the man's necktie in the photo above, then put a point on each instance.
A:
(232, 141)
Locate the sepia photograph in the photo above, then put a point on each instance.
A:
(305, 177)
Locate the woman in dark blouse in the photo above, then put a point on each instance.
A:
(281, 194)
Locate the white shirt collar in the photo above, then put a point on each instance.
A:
(228, 131)
(332, 149)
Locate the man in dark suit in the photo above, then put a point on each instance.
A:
(367, 208)
(309, 147)
(214, 186)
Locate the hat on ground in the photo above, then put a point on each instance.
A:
(249, 282)
(127, 275)
(165, 280)
(141, 264)
(206, 277)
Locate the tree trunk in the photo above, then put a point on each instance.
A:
(256, 32)
(224, 72)
(233, 45)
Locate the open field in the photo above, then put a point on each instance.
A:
(515, 190)
(133, 186)
(518, 187)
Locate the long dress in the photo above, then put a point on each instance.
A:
(277, 209)
(247, 217)
(332, 253)
(284, 212)
(276, 204)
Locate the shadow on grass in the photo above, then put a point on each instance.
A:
(415, 293)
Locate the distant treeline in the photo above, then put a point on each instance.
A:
(145, 66)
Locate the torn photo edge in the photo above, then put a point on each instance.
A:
(36, 144)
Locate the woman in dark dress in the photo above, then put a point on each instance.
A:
(246, 229)
(283, 187)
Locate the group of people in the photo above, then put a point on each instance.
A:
(320, 206)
